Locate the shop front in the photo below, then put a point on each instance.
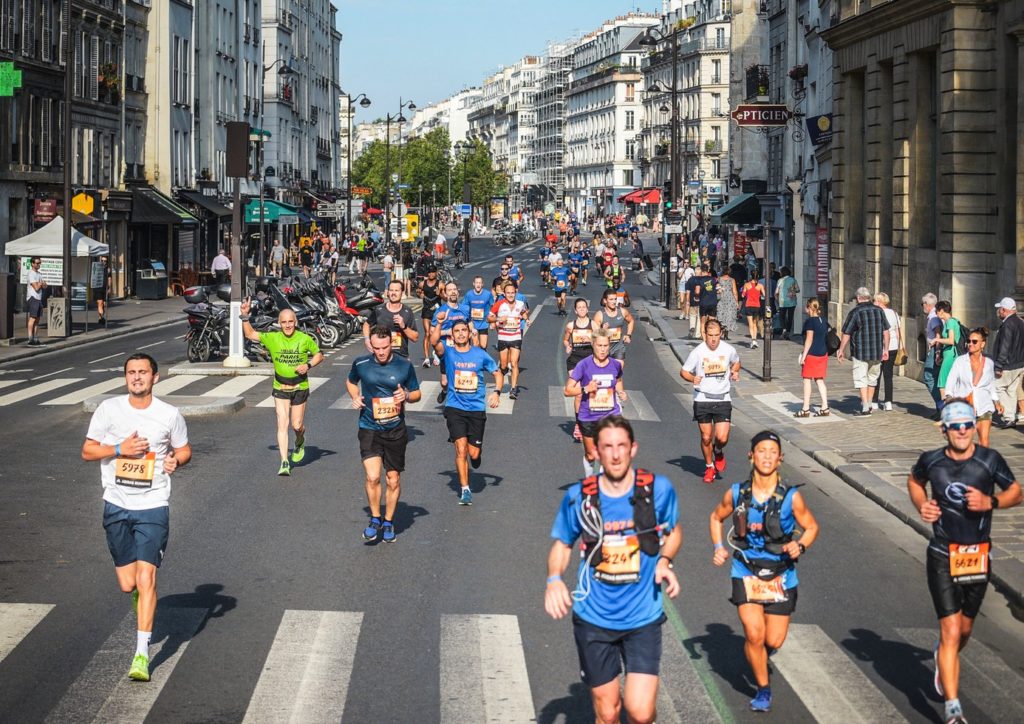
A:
(159, 232)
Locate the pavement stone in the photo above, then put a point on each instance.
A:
(188, 405)
(872, 454)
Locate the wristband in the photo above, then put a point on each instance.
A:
(719, 545)
(995, 502)
(552, 579)
(666, 558)
(802, 547)
(117, 449)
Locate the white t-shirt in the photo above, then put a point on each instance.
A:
(894, 323)
(440, 240)
(34, 277)
(714, 369)
(554, 256)
(162, 425)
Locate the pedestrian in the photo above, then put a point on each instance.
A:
(753, 309)
(814, 358)
(932, 329)
(972, 378)
(388, 264)
(866, 331)
(139, 441)
(967, 482)
(34, 299)
(221, 268)
(617, 611)
(945, 345)
(786, 292)
(101, 292)
(1008, 356)
(728, 303)
(306, 259)
(683, 276)
(884, 401)
(277, 258)
(738, 270)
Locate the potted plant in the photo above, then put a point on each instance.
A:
(684, 23)
(798, 72)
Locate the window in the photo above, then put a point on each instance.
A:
(716, 71)
(28, 28)
(716, 104)
(630, 92)
(716, 168)
(627, 177)
(94, 70)
(45, 133)
(630, 120)
(630, 150)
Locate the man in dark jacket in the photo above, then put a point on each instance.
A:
(1008, 355)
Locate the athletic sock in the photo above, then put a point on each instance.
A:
(142, 642)
(953, 708)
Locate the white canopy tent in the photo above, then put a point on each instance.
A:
(49, 242)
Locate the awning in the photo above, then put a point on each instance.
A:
(744, 209)
(273, 212)
(651, 196)
(306, 216)
(49, 242)
(149, 206)
(207, 203)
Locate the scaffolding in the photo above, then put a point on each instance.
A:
(548, 157)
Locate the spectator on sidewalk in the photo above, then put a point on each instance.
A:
(738, 270)
(932, 329)
(684, 275)
(34, 297)
(785, 297)
(277, 258)
(884, 401)
(728, 303)
(972, 377)
(221, 267)
(1008, 357)
(945, 344)
(752, 295)
(866, 331)
(814, 358)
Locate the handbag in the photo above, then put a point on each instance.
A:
(900, 358)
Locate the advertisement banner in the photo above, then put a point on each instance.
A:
(821, 261)
(740, 243)
(820, 128)
(499, 207)
(51, 269)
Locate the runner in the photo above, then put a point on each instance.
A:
(545, 263)
(577, 340)
(514, 272)
(380, 384)
(712, 366)
(963, 478)
(465, 408)
(479, 301)
(498, 285)
(559, 283)
(586, 253)
(394, 316)
(139, 441)
(614, 275)
(618, 321)
(510, 315)
(708, 303)
(765, 512)
(616, 608)
(429, 290)
(294, 354)
(441, 328)
(600, 377)
(575, 266)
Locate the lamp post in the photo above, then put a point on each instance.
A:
(284, 70)
(462, 154)
(398, 118)
(433, 201)
(365, 103)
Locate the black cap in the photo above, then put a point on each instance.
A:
(765, 435)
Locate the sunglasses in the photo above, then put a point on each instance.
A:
(958, 426)
(974, 341)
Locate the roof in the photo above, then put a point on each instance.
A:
(49, 242)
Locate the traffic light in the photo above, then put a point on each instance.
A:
(666, 193)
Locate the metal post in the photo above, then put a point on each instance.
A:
(263, 183)
(69, 63)
(236, 356)
(769, 323)
(666, 283)
(347, 222)
(387, 182)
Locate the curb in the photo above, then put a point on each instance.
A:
(188, 405)
(217, 369)
(79, 342)
(831, 462)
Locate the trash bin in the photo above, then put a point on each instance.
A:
(151, 280)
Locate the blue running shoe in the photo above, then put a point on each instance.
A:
(387, 532)
(466, 498)
(371, 531)
(763, 700)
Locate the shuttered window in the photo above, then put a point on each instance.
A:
(46, 132)
(94, 68)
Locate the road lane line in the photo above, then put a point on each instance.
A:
(314, 383)
(109, 356)
(235, 387)
(483, 670)
(73, 398)
(175, 383)
(51, 374)
(829, 684)
(636, 407)
(41, 389)
(533, 316)
(10, 383)
(147, 346)
(16, 622)
(558, 404)
(103, 693)
(682, 696)
(306, 675)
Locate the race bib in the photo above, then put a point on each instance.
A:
(466, 381)
(620, 560)
(476, 314)
(135, 472)
(581, 337)
(714, 366)
(602, 399)
(614, 334)
(511, 324)
(396, 340)
(559, 284)
(968, 563)
(759, 591)
(385, 409)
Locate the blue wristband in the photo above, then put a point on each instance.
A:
(552, 579)
(117, 449)
(719, 545)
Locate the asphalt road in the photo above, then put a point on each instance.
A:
(269, 597)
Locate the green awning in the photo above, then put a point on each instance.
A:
(744, 209)
(273, 212)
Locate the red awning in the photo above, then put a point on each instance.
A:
(374, 212)
(632, 197)
(651, 196)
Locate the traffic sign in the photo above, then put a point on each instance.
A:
(330, 213)
(466, 209)
(361, 190)
(673, 228)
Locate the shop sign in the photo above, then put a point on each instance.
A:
(821, 261)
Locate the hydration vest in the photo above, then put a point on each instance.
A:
(774, 536)
(645, 520)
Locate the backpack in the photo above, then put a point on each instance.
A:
(832, 340)
(960, 347)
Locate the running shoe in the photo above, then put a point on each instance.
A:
(426, 362)
(300, 449)
(577, 436)
(753, 344)
(475, 462)
(763, 700)
(442, 395)
(709, 474)
(466, 498)
(388, 532)
(135, 600)
(938, 679)
(719, 461)
(957, 718)
(140, 668)
(437, 360)
(513, 393)
(371, 530)
(285, 469)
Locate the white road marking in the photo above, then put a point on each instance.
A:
(51, 374)
(154, 344)
(16, 622)
(235, 387)
(483, 671)
(429, 390)
(635, 408)
(109, 356)
(306, 675)
(314, 383)
(73, 398)
(829, 684)
(533, 316)
(10, 383)
(175, 383)
(23, 394)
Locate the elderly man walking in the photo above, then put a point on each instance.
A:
(866, 330)
(932, 329)
(1008, 355)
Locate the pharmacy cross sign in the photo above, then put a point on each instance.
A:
(9, 79)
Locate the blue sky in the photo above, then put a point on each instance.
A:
(428, 49)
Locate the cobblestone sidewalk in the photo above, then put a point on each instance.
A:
(873, 454)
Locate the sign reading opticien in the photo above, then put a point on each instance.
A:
(762, 114)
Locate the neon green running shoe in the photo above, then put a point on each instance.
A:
(140, 668)
(285, 469)
(135, 600)
(300, 449)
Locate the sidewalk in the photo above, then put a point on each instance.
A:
(873, 454)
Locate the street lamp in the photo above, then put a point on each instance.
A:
(462, 150)
(433, 201)
(284, 70)
(398, 118)
(364, 102)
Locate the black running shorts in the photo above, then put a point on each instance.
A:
(463, 423)
(296, 397)
(712, 412)
(783, 608)
(388, 445)
(602, 651)
(948, 597)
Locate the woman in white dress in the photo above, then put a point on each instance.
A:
(972, 377)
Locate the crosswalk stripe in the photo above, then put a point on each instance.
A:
(73, 398)
(828, 683)
(104, 693)
(306, 675)
(236, 386)
(10, 383)
(983, 674)
(314, 383)
(428, 401)
(16, 621)
(175, 383)
(41, 389)
(682, 696)
(483, 670)
(558, 404)
(635, 408)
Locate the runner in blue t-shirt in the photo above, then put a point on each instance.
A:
(479, 301)
(465, 406)
(560, 284)
(450, 312)
(586, 253)
(380, 384)
(617, 615)
(545, 263)
(514, 272)
(575, 266)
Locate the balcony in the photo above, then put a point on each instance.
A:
(285, 94)
(713, 147)
(323, 148)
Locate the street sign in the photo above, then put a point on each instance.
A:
(403, 186)
(9, 79)
(590, 202)
(693, 184)
(673, 228)
(329, 213)
(466, 209)
(762, 114)
(361, 190)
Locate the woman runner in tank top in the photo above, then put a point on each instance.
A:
(618, 321)
(577, 339)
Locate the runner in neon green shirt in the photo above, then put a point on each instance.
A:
(294, 354)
